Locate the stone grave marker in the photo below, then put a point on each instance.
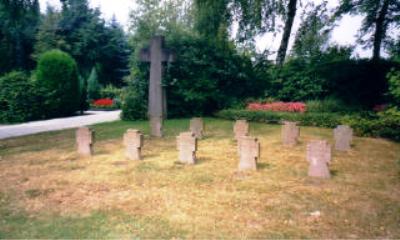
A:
(319, 156)
(133, 141)
(187, 147)
(343, 135)
(290, 133)
(249, 153)
(197, 127)
(85, 141)
(241, 128)
(157, 106)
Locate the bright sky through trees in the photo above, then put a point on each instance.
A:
(343, 34)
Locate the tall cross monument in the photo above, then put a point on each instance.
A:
(157, 106)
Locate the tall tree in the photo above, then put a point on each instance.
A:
(260, 16)
(313, 34)
(114, 55)
(212, 18)
(287, 30)
(18, 26)
(80, 31)
(380, 16)
(48, 37)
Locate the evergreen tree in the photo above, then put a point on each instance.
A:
(114, 55)
(18, 25)
(48, 36)
(93, 86)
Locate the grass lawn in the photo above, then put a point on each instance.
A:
(46, 191)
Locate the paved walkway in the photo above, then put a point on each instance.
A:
(92, 117)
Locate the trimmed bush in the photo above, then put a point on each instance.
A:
(134, 105)
(394, 86)
(19, 102)
(57, 77)
(306, 119)
(328, 105)
(385, 124)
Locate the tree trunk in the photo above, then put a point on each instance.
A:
(380, 30)
(286, 32)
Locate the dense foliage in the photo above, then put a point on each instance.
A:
(355, 82)
(19, 100)
(306, 119)
(385, 124)
(216, 66)
(394, 87)
(57, 77)
(18, 25)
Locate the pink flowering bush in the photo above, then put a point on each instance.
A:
(278, 107)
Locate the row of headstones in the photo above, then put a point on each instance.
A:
(319, 154)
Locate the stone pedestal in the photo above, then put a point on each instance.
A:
(187, 147)
(156, 124)
(133, 141)
(197, 127)
(85, 141)
(290, 133)
(249, 153)
(343, 135)
(241, 128)
(319, 156)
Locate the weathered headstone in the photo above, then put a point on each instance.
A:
(187, 147)
(84, 141)
(343, 137)
(290, 133)
(133, 141)
(319, 156)
(241, 128)
(157, 109)
(197, 127)
(249, 152)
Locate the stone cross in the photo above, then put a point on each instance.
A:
(319, 156)
(343, 137)
(84, 141)
(133, 141)
(290, 133)
(241, 128)
(157, 106)
(249, 152)
(197, 127)
(187, 147)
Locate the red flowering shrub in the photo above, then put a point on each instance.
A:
(278, 107)
(103, 103)
(380, 108)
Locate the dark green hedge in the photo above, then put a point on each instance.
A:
(19, 100)
(329, 120)
(386, 124)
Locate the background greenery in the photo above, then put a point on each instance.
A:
(214, 69)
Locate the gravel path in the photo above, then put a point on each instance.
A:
(91, 117)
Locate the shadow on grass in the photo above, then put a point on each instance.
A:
(264, 166)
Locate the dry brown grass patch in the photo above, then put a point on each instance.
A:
(212, 199)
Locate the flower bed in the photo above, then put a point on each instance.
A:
(278, 107)
(104, 104)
